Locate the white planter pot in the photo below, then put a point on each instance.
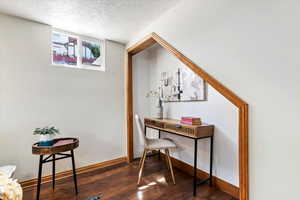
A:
(45, 138)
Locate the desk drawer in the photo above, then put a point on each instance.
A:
(179, 128)
(154, 123)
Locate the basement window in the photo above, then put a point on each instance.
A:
(77, 51)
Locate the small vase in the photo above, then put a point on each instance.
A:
(159, 110)
(46, 140)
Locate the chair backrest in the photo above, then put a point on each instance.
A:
(140, 128)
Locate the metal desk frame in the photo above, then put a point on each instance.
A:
(196, 181)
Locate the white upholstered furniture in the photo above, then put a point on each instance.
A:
(8, 170)
(153, 144)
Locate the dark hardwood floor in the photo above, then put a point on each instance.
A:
(119, 183)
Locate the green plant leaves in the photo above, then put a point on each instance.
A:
(46, 131)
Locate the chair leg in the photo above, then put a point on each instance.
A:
(170, 164)
(142, 166)
(140, 163)
(166, 160)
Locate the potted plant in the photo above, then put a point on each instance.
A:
(46, 135)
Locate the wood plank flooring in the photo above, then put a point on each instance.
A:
(119, 183)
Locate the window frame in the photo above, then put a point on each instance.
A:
(102, 44)
(77, 49)
(80, 39)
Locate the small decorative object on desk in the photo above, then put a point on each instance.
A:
(159, 108)
(46, 135)
(191, 120)
(9, 189)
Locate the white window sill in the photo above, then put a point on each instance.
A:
(85, 67)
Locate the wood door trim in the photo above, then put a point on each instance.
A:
(153, 38)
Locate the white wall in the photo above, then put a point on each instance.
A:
(33, 93)
(217, 111)
(141, 85)
(252, 47)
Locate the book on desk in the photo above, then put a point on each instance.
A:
(191, 120)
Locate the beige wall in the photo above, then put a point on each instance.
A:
(252, 47)
(81, 103)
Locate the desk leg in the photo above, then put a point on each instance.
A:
(53, 171)
(39, 178)
(74, 171)
(195, 167)
(158, 150)
(211, 159)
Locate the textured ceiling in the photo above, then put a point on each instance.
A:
(117, 20)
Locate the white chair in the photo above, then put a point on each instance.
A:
(153, 144)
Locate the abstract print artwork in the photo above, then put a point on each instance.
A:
(182, 85)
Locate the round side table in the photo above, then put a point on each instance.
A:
(60, 146)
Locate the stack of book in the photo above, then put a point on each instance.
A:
(191, 120)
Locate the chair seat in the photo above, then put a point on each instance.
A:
(165, 143)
